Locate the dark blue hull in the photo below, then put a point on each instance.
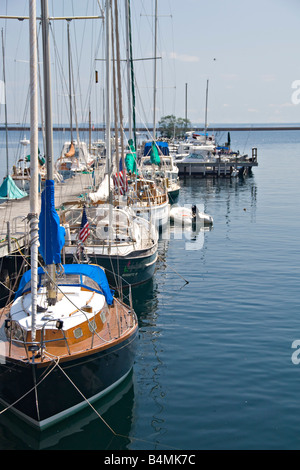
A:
(64, 388)
(129, 270)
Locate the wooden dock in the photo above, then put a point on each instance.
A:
(14, 226)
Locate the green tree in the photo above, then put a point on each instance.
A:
(170, 126)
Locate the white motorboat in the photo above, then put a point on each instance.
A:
(189, 215)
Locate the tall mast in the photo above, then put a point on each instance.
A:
(130, 76)
(108, 87)
(47, 88)
(34, 171)
(205, 125)
(128, 70)
(155, 63)
(70, 82)
(51, 291)
(108, 24)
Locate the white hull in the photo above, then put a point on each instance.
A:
(185, 216)
(157, 214)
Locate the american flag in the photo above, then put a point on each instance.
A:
(121, 181)
(84, 228)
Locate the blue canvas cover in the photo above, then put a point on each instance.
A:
(51, 234)
(9, 190)
(90, 270)
(163, 148)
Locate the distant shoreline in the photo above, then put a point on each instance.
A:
(229, 128)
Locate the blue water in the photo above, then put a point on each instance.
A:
(214, 363)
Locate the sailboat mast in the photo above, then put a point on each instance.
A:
(205, 125)
(128, 70)
(70, 81)
(130, 76)
(155, 68)
(108, 87)
(5, 104)
(34, 171)
(51, 293)
(47, 88)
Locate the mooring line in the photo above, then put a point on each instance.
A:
(187, 282)
(106, 424)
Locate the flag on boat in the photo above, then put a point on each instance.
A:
(120, 181)
(84, 228)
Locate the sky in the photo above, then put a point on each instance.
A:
(249, 52)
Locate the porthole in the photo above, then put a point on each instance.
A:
(78, 333)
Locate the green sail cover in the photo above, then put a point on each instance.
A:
(9, 190)
(154, 156)
(130, 159)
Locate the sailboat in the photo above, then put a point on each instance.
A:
(66, 339)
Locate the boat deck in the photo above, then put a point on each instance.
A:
(60, 345)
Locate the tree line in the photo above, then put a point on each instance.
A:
(172, 127)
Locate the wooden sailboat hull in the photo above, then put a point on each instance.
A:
(87, 377)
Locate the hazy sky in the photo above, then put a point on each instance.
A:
(249, 52)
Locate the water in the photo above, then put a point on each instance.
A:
(214, 364)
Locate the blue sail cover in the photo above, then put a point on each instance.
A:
(163, 147)
(89, 270)
(51, 234)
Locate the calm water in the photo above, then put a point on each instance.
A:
(214, 364)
